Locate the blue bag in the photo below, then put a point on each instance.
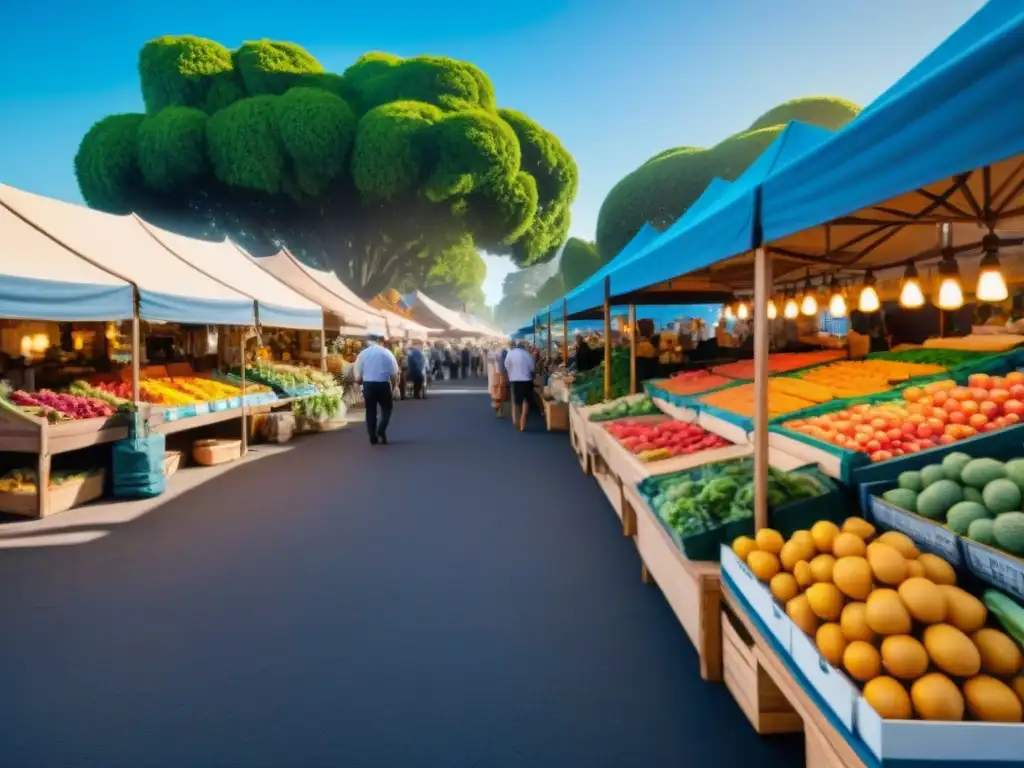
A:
(139, 463)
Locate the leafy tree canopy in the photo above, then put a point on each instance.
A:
(579, 261)
(378, 172)
(664, 187)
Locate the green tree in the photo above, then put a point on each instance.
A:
(520, 291)
(375, 173)
(579, 261)
(664, 187)
(453, 277)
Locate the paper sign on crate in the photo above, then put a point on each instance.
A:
(999, 569)
(928, 535)
(752, 590)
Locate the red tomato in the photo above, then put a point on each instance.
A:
(978, 420)
(946, 439)
(999, 396)
(939, 398)
(924, 431)
(872, 445)
(989, 409)
(1014, 406)
(960, 393)
(970, 407)
(1012, 418)
(979, 380)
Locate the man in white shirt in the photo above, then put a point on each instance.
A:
(377, 370)
(519, 367)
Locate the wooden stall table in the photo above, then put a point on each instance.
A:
(692, 588)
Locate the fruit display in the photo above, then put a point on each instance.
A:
(185, 390)
(894, 620)
(26, 480)
(777, 363)
(947, 358)
(663, 439)
(781, 398)
(939, 413)
(55, 407)
(623, 409)
(705, 498)
(979, 498)
(857, 378)
(692, 382)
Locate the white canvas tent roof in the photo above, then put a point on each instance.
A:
(42, 280)
(408, 328)
(170, 290)
(278, 305)
(321, 287)
(447, 320)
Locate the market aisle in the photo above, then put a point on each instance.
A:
(461, 597)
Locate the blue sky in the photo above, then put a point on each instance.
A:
(616, 80)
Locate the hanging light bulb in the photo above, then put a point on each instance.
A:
(809, 304)
(991, 283)
(728, 312)
(742, 312)
(911, 295)
(868, 301)
(773, 311)
(792, 309)
(951, 291)
(837, 302)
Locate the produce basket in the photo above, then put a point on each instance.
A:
(64, 495)
(210, 453)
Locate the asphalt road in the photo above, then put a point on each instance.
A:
(461, 597)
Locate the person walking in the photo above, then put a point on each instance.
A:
(377, 370)
(465, 356)
(452, 358)
(519, 365)
(417, 364)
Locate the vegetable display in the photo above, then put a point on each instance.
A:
(947, 358)
(85, 389)
(623, 409)
(977, 498)
(290, 380)
(940, 413)
(185, 390)
(705, 498)
(588, 386)
(663, 439)
(894, 620)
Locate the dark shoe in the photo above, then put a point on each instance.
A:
(383, 438)
(373, 441)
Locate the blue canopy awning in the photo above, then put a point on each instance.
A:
(942, 144)
(724, 228)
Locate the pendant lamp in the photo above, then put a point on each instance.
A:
(911, 295)
(742, 312)
(729, 313)
(991, 283)
(836, 300)
(792, 309)
(868, 301)
(951, 290)
(773, 311)
(809, 304)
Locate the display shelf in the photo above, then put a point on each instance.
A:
(724, 429)
(21, 433)
(691, 588)
(579, 425)
(159, 423)
(826, 746)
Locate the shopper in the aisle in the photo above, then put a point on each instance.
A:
(417, 365)
(377, 370)
(520, 366)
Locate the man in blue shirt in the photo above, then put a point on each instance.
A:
(417, 364)
(377, 370)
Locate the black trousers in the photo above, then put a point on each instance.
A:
(377, 394)
(417, 385)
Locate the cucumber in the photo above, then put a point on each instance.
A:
(1009, 613)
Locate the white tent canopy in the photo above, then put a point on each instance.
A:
(447, 320)
(42, 280)
(277, 304)
(170, 290)
(321, 287)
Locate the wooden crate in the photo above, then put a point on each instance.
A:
(556, 415)
(691, 588)
(62, 497)
(750, 685)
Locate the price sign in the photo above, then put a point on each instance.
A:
(929, 536)
(171, 414)
(202, 408)
(996, 568)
